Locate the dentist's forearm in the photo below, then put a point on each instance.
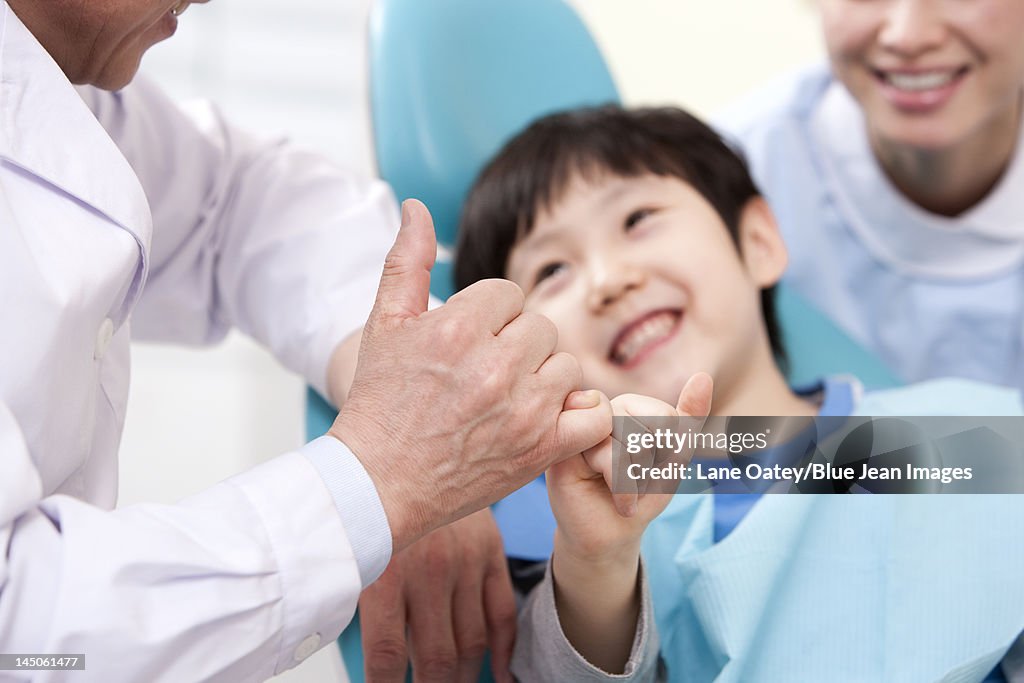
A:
(342, 368)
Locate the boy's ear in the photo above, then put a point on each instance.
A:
(764, 253)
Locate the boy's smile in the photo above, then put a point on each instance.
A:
(642, 336)
(645, 285)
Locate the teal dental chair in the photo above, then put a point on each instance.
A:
(451, 80)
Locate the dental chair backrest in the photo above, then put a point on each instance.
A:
(450, 82)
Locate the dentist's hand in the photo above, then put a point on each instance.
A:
(454, 408)
(451, 595)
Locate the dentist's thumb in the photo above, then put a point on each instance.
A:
(405, 283)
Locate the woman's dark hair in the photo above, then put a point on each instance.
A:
(532, 171)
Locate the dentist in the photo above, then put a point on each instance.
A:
(120, 218)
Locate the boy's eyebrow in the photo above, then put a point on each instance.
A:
(615, 192)
(604, 197)
(533, 242)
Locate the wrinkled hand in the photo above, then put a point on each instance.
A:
(452, 591)
(454, 408)
(594, 523)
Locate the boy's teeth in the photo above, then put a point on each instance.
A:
(923, 81)
(650, 330)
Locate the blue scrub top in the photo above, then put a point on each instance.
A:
(527, 526)
(836, 396)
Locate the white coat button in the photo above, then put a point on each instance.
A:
(103, 337)
(307, 647)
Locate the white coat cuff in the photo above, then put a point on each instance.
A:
(358, 504)
(318, 572)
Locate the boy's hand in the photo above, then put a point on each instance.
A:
(594, 523)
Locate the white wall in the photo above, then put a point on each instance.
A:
(196, 417)
(700, 54)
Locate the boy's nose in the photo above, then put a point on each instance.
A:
(611, 282)
(911, 27)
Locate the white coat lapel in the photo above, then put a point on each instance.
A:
(46, 129)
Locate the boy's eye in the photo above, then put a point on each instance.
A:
(636, 216)
(547, 271)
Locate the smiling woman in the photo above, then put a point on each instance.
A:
(940, 87)
(898, 179)
(100, 43)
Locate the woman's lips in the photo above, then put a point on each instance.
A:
(639, 338)
(919, 91)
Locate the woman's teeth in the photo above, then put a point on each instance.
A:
(642, 335)
(918, 82)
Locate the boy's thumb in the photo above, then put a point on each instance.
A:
(405, 282)
(695, 398)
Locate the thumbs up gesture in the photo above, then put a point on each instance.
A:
(454, 408)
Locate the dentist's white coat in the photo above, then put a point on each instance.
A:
(150, 223)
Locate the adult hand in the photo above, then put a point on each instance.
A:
(452, 591)
(454, 408)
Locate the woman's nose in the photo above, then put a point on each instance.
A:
(609, 281)
(911, 27)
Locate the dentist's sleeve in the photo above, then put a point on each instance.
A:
(248, 232)
(237, 583)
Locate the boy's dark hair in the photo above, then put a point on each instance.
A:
(533, 169)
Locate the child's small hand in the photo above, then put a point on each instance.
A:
(593, 522)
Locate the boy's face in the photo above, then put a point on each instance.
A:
(645, 284)
(929, 73)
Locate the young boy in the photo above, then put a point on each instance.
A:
(642, 236)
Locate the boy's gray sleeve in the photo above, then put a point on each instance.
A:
(543, 653)
(1013, 662)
